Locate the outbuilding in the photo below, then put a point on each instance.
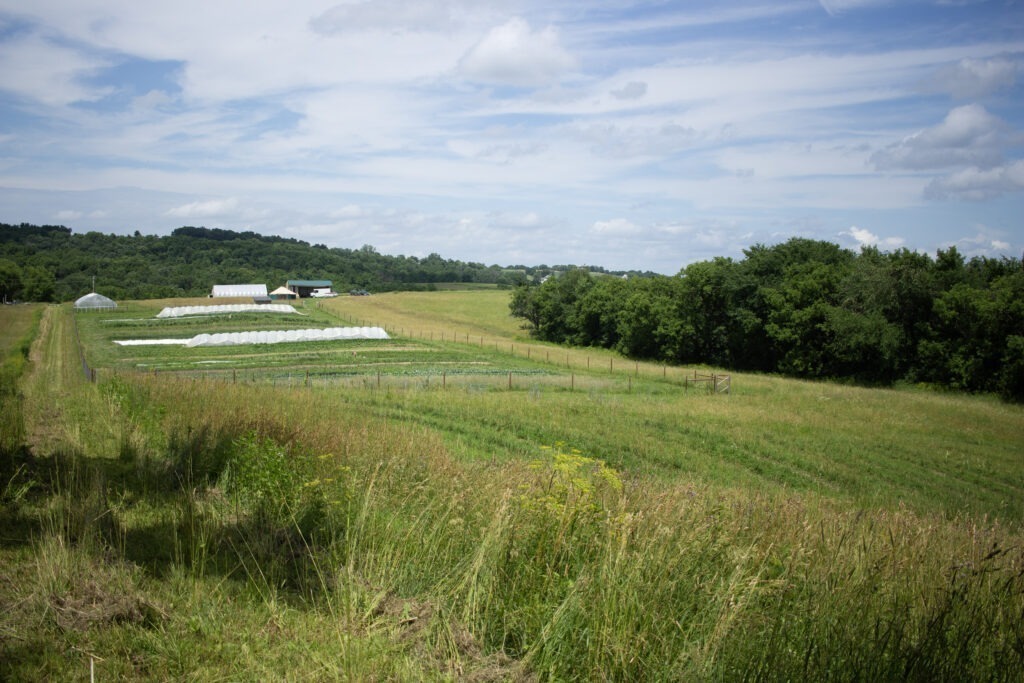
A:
(283, 293)
(304, 288)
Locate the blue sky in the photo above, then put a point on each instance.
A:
(632, 135)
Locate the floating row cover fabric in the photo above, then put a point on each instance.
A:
(239, 290)
(282, 336)
(180, 311)
(92, 300)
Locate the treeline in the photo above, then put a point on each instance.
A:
(808, 309)
(51, 263)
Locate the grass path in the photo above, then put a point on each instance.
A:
(54, 371)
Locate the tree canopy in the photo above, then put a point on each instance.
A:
(808, 309)
(51, 263)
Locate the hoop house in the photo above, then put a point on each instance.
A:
(93, 302)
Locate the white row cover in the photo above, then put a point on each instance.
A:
(273, 337)
(181, 311)
(278, 337)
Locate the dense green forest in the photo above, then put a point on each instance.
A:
(51, 263)
(807, 308)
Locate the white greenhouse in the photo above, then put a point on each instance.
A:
(94, 302)
(238, 290)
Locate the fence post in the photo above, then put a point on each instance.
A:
(510, 381)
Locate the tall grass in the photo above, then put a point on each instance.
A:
(556, 567)
(188, 529)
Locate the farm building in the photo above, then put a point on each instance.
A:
(239, 290)
(283, 293)
(304, 288)
(93, 301)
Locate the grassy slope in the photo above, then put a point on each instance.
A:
(936, 452)
(755, 549)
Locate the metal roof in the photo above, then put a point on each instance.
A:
(309, 283)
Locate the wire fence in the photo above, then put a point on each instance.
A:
(534, 382)
(558, 369)
(90, 373)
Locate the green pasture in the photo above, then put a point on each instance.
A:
(465, 370)
(461, 503)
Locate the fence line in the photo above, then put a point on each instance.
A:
(716, 383)
(721, 384)
(90, 373)
(441, 381)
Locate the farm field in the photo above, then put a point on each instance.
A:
(460, 502)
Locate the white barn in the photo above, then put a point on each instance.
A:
(238, 290)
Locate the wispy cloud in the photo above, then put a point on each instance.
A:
(208, 209)
(637, 134)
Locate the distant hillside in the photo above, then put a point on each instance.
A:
(52, 263)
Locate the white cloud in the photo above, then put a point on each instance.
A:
(984, 243)
(635, 139)
(973, 78)
(837, 7)
(514, 54)
(47, 72)
(384, 15)
(866, 238)
(616, 227)
(969, 135)
(633, 90)
(209, 209)
(978, 184)
(68, 215)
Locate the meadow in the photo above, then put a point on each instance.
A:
(462, 503)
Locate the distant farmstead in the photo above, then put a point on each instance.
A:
(239, 290)
(304, 288)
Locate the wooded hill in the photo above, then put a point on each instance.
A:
(807, 309)
(804, 308)
(51, 263)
